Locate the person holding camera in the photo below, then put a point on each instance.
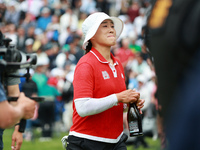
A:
(11, 113)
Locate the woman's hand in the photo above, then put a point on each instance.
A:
(128, 96)
(131, 96)
(140, 104)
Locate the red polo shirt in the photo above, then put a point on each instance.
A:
(94, 77)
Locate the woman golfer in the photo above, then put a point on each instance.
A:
(99, 89)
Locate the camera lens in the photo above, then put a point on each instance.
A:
(16, 56)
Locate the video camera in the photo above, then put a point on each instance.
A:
(11, 60)
(10, 57)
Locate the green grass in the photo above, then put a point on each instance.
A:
(153, 145)
(35, 144)
(56, 144)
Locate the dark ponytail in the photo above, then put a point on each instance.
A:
(88, 47)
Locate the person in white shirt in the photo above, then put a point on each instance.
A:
(68, 19)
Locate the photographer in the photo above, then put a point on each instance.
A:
(23, 108)
(11, 113)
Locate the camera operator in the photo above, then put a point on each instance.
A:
(11, 113)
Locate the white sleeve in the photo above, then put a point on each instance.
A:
(91, 106)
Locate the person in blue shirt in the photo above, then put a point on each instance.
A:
(44, 19)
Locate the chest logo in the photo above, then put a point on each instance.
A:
(105, 75)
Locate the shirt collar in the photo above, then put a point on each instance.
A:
(100, 58)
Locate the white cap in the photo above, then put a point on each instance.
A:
(29, 42)
(57, 72)
(92, 23)
(141, 78)
(45, 10)
(42, 60)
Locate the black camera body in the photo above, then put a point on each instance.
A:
(11, 58)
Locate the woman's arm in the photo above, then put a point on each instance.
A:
(91, 106)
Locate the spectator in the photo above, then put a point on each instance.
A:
(135, 48)
(42, 58)
(75, 47)
(52, 54)
(67, 96)
(64, 35)
(47, 108)
(124, 54)
(139, 66)
(53, 29)
(132, 81)
(11, 33)
(57, 9)
(68, 19)
(21, 38)
(139, 21)
(56, 78)
(2, 11)
(23, 9)
(82, 17)
(128, 26)
(28, 23)
(50, 93)
(65, 56)
(123, 7)
(31, 33)
(133, 11)
(29, 87)
(38, 36)
(88, 6)
(75, 6)
(103, 6)
(65, 4)
(34, 7)
(12, 15)
(39, 76)
(44, 19)
(29, 45)
(46, 44)
(146, 93)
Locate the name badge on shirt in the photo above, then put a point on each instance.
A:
(105, 75)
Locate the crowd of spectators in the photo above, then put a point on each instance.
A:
(52, 30)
